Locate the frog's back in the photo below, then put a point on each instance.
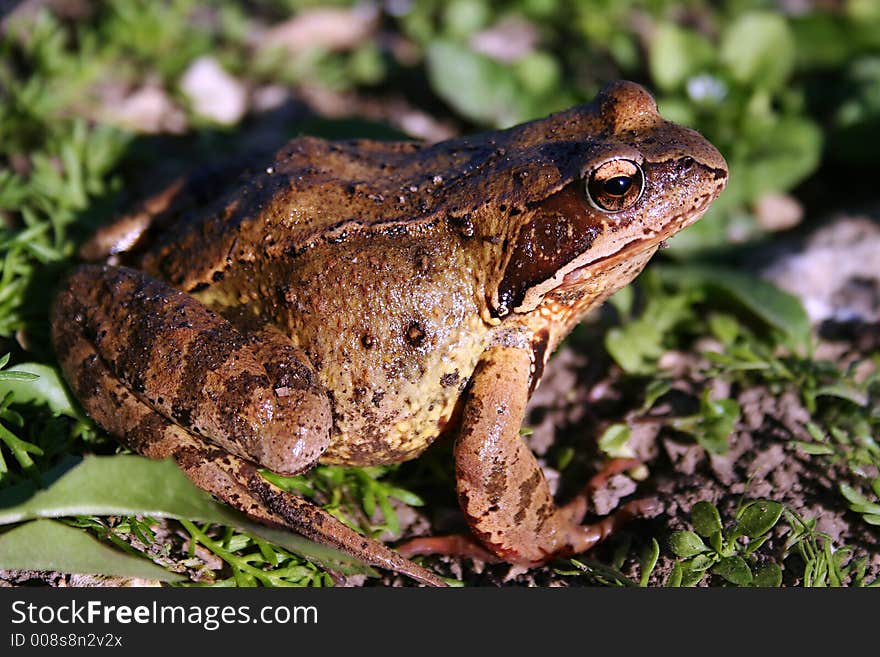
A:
(323, 190)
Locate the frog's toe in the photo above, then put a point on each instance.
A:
(454, 545)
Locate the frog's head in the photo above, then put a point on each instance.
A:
(622, 181)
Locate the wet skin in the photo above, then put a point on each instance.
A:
(353, 301)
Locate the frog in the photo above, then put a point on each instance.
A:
(351, 302)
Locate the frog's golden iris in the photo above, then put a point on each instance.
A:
(615, 185)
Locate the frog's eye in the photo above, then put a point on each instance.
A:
(615, 185)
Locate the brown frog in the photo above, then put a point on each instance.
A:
(356, 300)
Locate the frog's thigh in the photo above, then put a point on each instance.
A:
(501, 487)
(193, 367)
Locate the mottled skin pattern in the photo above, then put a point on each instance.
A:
(355, 300)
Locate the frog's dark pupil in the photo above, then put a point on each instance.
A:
(618, 185)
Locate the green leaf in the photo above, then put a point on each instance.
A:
(48, 545)
(705, 518)
(724, 327)
(613, 441)
(648, 561)
(813, 448)
(858, 502)
(475, 85)
(735, 570)
(781, 153)
(691, 576)
(676, 53)
(701, 562)
(134, 485)
(405, 496)
(655, 390)
(759, 49)
(712, 426)
(843, 391)
(675, 576)
(758, 518)
(768, 576)
(686, 544)
(777, 308)
(43, 387)
(634, 346)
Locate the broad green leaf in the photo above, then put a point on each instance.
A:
(134, 485)
(701, 562)
(758, 518)
(691, 576)
(53, 546)
(45, 388)
(676, 53)
(634, 345)
(768, 576)
(777, 308)
(705, 518)
(735, 570)
(613, 441)
(477, 86)
(686, 544)
(781, 153)
(759, 50)
(724, 327)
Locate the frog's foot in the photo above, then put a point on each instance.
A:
(501, 487)
(231, 479)
(453, 545)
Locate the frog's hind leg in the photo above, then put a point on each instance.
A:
(229, 478)
(192, 366)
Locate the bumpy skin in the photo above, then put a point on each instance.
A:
(355, 300)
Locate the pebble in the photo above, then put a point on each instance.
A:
(213, 93)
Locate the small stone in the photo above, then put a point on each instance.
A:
(147, 109)
(269, 97)
(213, 93)
(324, 28)
(776, 212)
(509, 40)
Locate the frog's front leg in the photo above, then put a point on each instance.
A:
(501, 487)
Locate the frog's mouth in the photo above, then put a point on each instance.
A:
(639, 249)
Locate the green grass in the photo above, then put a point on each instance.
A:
(756, 82)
